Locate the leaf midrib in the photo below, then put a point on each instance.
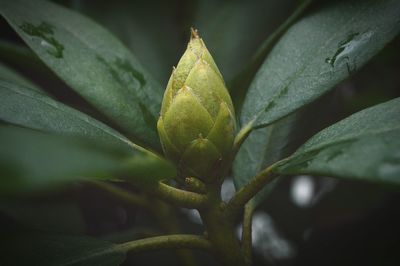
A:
(77, 115)
(348, 137)
(300, 71)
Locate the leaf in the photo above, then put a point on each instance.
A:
(317, 53)
(242, 81)
(42, 249)
(266, 146)
(225, 27)
(27, 108)
(262, 148)
(24, 107)
(8, 74)
(364, 146)
(142, 33)
(92, 62)
(31, 161)
(23, 59)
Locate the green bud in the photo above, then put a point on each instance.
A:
(197, 121)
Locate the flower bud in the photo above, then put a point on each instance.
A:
(197, 121)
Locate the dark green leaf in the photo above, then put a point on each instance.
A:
(261, 149)
(8, 74)
(24, 107)
(58, 250)
(27, 108)
(25, 61)
(141, 32)
(363, 146)
(316, 53)
(31, 161)
(242, 81)
(93, 62)
(267, 145)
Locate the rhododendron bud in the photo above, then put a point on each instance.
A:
(197, 121)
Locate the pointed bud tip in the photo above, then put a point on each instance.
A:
(194, 33)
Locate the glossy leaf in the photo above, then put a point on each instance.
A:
(23, 59)
(130, 21)
(363, 146)
(316, 53)
(242, 81)
(25, 107)
(31, 161)
(262, 148)
(266, 146)
(92, 62)
(55, 250)
(10, 75)
(30, 109)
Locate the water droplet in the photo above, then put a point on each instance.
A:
(128, 77)
(123, 72)
(125, 66)
(329, 60)
(45, 32)
(347, 49)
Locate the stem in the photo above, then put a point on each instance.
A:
(162, 212)
(182, 198)
(167, 218)
(247, 232)
(221, 230)
(241, 137)
(195, 185)
(166, 242)
(247, 192)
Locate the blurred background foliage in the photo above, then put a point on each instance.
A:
(304, 221)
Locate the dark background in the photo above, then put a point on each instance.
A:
(306, 220)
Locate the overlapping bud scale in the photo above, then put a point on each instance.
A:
(197, 121)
